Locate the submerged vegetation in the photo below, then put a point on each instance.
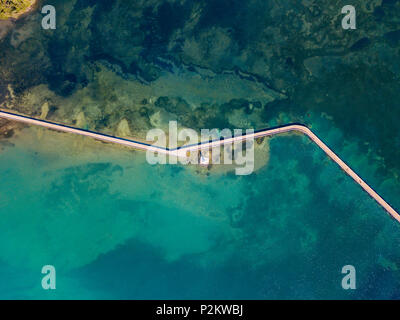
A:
(14, 8)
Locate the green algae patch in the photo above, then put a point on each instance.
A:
(14, 8)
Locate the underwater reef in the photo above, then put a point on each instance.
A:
(206, 64)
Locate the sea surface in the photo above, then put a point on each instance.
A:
(116, 227)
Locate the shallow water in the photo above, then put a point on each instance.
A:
(116, 227)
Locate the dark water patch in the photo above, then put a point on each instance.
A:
(158, 24)
(389, 2)
(141, 268)
(70, 77)
(393, 37)
(361, 44)
(134, 68)
(379, 13)
(222, 13)
(59, 85)
(169, 17)
(363, 101)
(329, 214)
(83, 4)
(385, 280)
(60, 81)
(272, 110)
(58, 50)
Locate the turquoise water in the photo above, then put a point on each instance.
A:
(115, 227)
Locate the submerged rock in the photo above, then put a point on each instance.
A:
(45, 110)
(81, 120)
(123, 129)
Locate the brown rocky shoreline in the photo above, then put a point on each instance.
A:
(4, 4)
(8, 128)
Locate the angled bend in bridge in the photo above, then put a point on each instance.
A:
(207, 145)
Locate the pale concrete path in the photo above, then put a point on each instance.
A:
(181, 152)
